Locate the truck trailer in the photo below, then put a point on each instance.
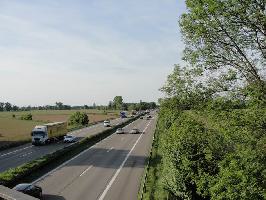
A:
(47, 133)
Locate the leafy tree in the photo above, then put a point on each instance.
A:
(15, 108)
(226, 35)
(110, 105)
(132, 106)
(124, 106)
(59, 105)
(78, 118)
(182, 86)
(86, 107)
(118, 102)
(2, 105)
(8, 106)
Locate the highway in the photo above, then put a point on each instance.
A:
(14, 157)
(109, 170)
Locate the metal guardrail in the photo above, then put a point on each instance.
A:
(10, 194)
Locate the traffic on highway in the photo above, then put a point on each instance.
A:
(16, 156)
(110, 169)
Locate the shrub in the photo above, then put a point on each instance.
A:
(26, 117)
(78, 118)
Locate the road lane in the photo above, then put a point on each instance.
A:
(88, 175)
(23, 154)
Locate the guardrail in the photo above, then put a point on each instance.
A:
(9, 194)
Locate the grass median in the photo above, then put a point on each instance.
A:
(30, 171)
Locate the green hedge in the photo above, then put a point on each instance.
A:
(32, 170)
(209, 155)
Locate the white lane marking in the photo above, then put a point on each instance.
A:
(110, 149)
(26, 154)
(85, 171)
(15, 151)
(121, 166)
(63, 164)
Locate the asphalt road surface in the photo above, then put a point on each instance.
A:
(14, 157)
(111, 169)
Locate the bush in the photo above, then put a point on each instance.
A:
(78, 118)
(26, 117)
(211, 154)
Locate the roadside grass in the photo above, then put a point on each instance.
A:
(12, 129)
(152, 187)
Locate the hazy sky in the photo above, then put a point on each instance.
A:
(85, 51)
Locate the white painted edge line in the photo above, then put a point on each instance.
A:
(121, 166)
(63, 164)
(85, 170)
(110, 149)
(15, 151)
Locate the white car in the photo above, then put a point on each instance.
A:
(69, 138)
(120, 131)
(106, 123)
(134, 131)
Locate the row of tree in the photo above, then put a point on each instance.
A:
(116, 104)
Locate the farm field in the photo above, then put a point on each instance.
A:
(13, 129)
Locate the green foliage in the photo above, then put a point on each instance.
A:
(211, 154)
(78, 118)
(118, 102)
(185, 91)
(26, 117)
(226, 35)
(223, 103)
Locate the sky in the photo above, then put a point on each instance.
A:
(85, 51)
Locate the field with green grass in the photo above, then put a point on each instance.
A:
(12, 128)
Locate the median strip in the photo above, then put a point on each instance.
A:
(34, 169)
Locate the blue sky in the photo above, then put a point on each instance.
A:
(86, 51)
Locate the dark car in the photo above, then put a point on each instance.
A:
(149, 117)
(29, 189)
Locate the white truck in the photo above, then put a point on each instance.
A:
(44, 134)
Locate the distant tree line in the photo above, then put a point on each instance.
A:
(116, 104)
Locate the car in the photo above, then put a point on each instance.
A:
(148, 117)
(134, 131)
(29, 189)
(69, 138)
(141, 117)
(106, 123)
(120, 131)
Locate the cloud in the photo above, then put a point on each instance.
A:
(86, 51)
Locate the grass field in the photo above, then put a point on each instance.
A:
(14, 129)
